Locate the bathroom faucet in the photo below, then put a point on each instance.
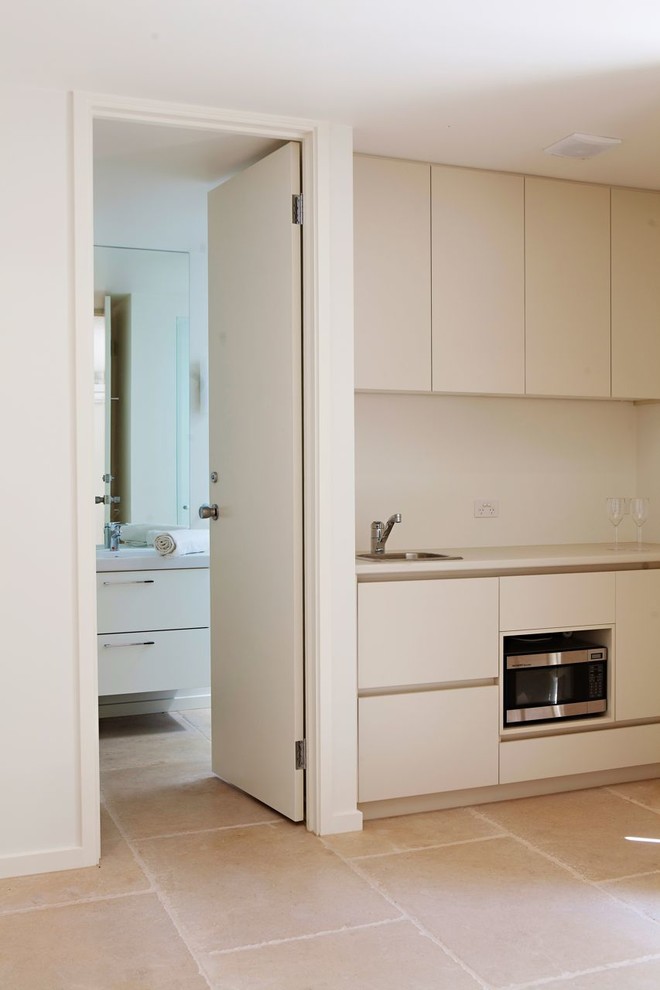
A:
(112, 532)
(380, 532)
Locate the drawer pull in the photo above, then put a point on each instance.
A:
(118, 646)
(117, 584)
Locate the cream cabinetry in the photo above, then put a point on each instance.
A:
(392, 264)
(478, 281)
(427, 670)
(153, 630)
(567, 288)
(635, 294)
(637, 684)
(557, 601)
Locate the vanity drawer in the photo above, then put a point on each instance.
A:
(551, 601)
(160, 599)
(154, 661)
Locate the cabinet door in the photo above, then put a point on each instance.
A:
(478, 281)
(635, 294)
(428, 742)
(392, 219)
(555, 601)
(637, 672)
(567, 280)
(427, 632)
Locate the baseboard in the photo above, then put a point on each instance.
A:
(338, 824)
(148, 704)
(49, 861)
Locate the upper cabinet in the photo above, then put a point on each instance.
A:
(392, 223)
(567, 286)
(469, 281)
(478, 281)
(635, 294)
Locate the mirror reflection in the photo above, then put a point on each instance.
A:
(141, 386)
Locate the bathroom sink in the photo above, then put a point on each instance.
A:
(407, 555)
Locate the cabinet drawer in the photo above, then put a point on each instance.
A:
(546, 601)
(426, 632)
(134, 600)
(428, 742)
(155, 661)
(584, 752)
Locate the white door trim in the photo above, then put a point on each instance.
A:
(330, 665)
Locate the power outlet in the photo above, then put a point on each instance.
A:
(486, 508)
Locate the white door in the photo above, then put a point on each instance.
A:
(255, 374)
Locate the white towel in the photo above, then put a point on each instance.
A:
(176, 543)
(137, 534)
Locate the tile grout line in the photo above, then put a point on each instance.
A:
(305, 938)
(416, 849)
(91, 899)
(161, 896)
(549, 980)
(632, 800)
(406, 915)
(202, 831)
(572, 871)
(630, 876)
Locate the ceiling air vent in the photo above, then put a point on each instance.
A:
(581, 146)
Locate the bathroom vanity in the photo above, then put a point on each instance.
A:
(153, 631)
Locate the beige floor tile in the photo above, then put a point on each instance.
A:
(387, 835)
(640, 976)
(643, 893)
(647, 792)
(387, 957)
(141, 740)
(182, 797)
(126, 943)
(118, 873)
(200, 718)
(586, 830)
(250, 885)
(511, 914)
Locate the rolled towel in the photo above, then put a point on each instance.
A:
(178, 542)
(137, 534)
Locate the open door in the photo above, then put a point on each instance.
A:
(255, 374)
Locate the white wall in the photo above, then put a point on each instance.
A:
(648, 460)
(140, 208)
(551, 463)
(40, 762)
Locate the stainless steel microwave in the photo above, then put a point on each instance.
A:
(553, 676)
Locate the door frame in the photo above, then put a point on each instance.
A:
(328, 418)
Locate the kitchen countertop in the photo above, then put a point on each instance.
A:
(479, 561)
(146, 559)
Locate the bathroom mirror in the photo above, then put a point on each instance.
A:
(141, 386)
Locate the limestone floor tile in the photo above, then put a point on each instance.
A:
(386, 957)
(141, 740)
(118, 873)
(126, 943)
(249, 885)
(511, 914)
(643, 893)
(639, 976)
(388, 835)
(200, 718)
(646, 792)
(586, 830)
(181, 797)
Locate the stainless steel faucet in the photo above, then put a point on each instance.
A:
(111, 533)
(380, 532)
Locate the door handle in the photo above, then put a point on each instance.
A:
(208, 511)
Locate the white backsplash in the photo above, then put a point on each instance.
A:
(550, 463)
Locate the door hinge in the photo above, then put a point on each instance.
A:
(297, 209)
(301, 754)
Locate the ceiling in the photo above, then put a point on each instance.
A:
(470, 82)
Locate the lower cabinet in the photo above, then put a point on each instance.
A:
(429, 741)
(579, 752)
(132, 663)
(637, 681)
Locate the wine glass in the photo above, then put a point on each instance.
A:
(616, 510)
(639, 510)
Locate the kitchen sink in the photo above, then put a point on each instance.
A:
(408, 555)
